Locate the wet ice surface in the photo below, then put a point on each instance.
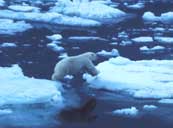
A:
(37, 55)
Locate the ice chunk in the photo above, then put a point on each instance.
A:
(112, 53)
(18, 89)
(8, 45)
(87, 38)
(149, 107)
(23, 8)
(142, 79)
(55, 37)
(55, 47)
(5, 111)
(136, 6)
(154, 50)
(149, 16)
(143, 40)
(132, 112)
(10, 27)
(166, 18)
(166, 101)
(164, 40)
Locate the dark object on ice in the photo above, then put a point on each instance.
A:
(80, 114)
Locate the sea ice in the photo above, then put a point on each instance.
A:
(132, 112)
(141, 79)
(10, 27)
(18, 89)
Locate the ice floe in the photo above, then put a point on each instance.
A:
(166, 101)
(112, 53)
(55, 37)
(93, 10)
(18, 89)
(10, 27)
(55, 47)
(153, 50)
(143, 40)
(164, 40)
(166, 18)
(23, 8)
(87, 38)
(2, 3)
(149, 107)
(141, 79)
(51, 18)
(5, 111)
(137, 6)
(132, 112)
(4, 45)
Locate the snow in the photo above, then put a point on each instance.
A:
(154, 50)
(2, 3)
(18, 89)
(93, 10)
(166, 101)
(5, 111)
(149, 107)
(23, 8)
(51, 18)
(143, 39)
(141, 79)
(164, 40)
(132, 112)
(55, 37)
(55, 47)
(166, 18)
(8, 45)
(10, 27)
(112, 53)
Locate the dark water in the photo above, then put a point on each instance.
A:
(36, 60)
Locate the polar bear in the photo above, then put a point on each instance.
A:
(74, 65)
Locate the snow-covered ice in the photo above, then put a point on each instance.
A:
(166, 101)
(93, 10)
(141, 79)
(166, 18)
(143, 40)
(112, 53)
(23, 8)
(4, 45)
(10, 27)
(164, 40)
(51, 18)
(149, 107)
(18, 89)
(55, 37)
(132, 112)
(55, 47)
(153, 50)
